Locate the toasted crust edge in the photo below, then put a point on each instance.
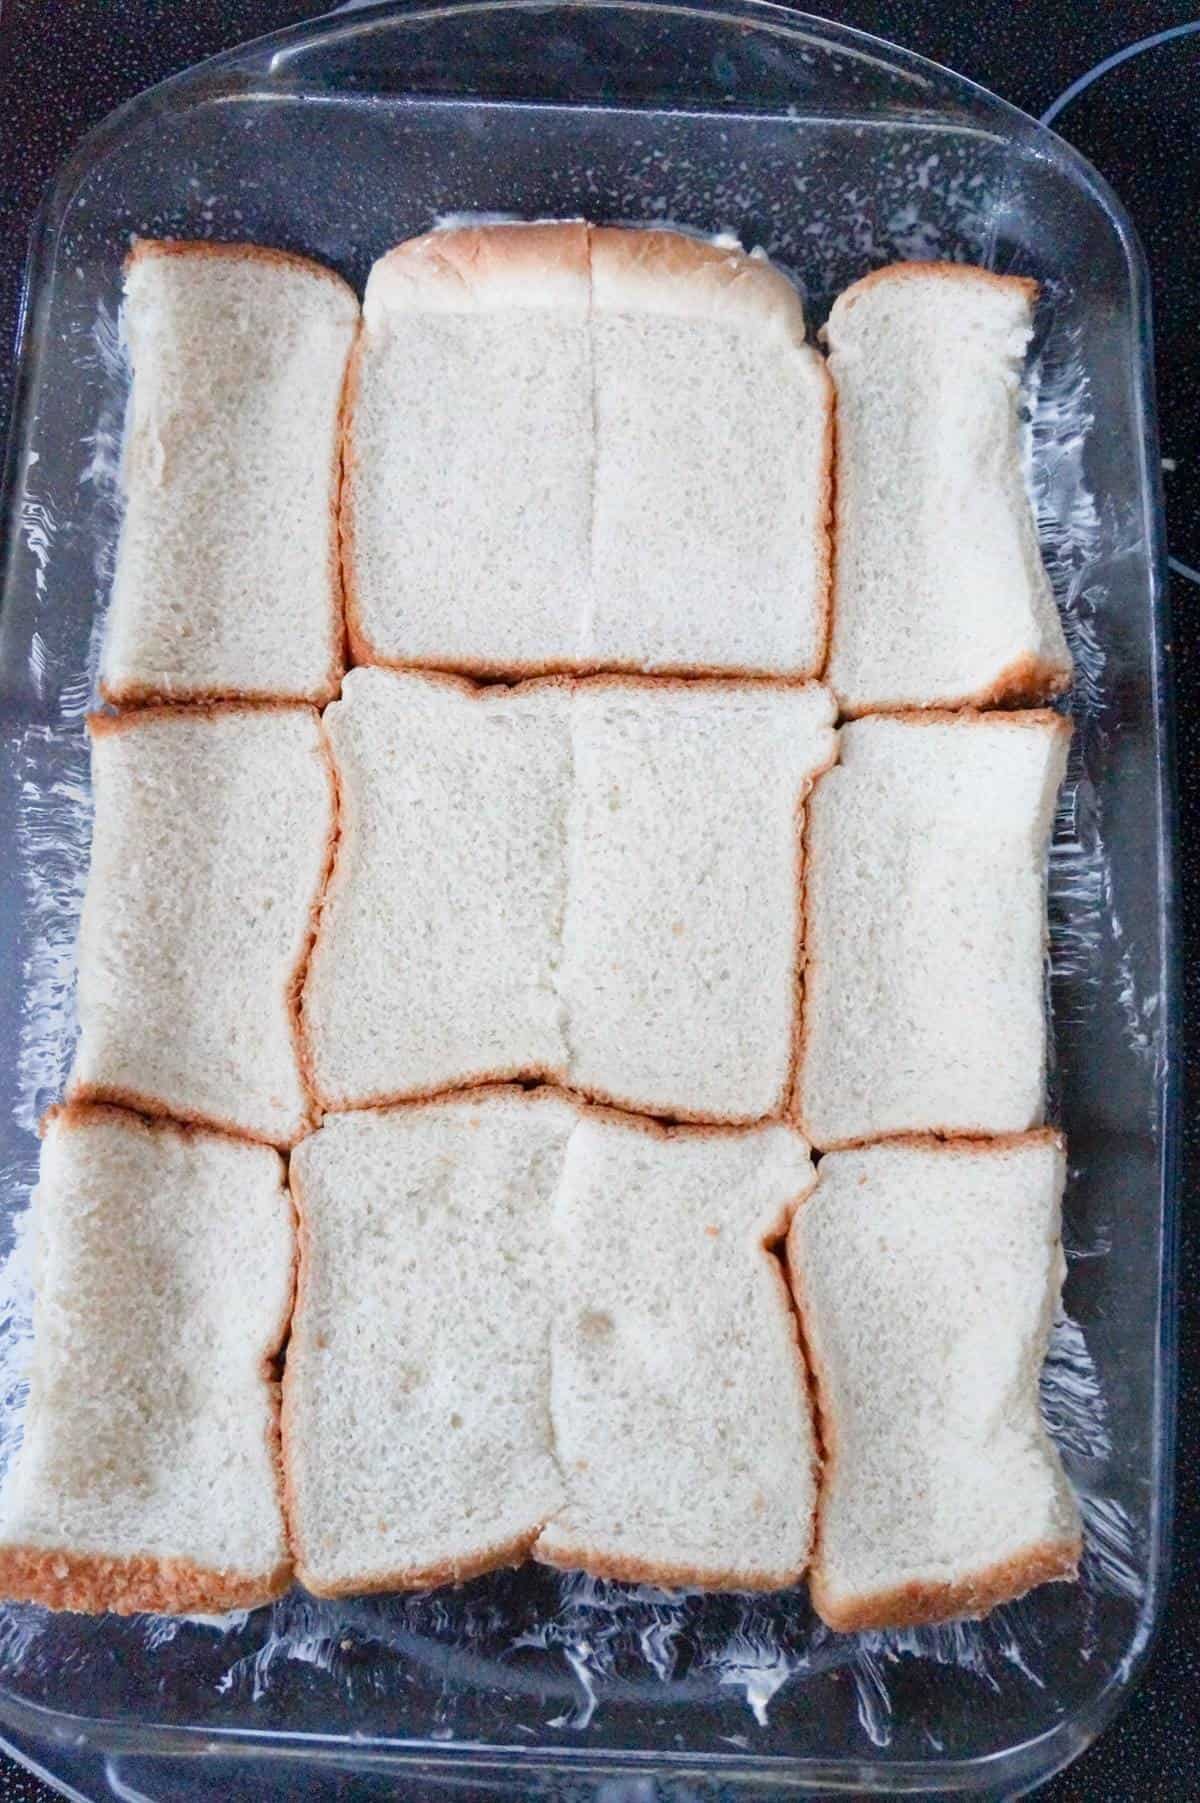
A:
(1026, 683)
(570, 1555)
(99, 1583)
(923, 271)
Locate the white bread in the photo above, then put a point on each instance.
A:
(580, 449)
(148, 1476)
(681, 933)
(678, 1392)
(227, 578)
(925, 927)
(212, 834)
(434, 963)
(940, 597)
(714, 444)
(467, 505)
(927, 1277)
(416, 1428)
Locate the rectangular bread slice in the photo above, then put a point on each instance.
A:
(576, 449)
(227, 579)
(927, 1277)
(714, 447)
(682, 927)
(434, 964)
(212, 834)
(148, 1477)
(417, 1438)
(940, 597)
(467, 505)
(678, 1392)
(925, 927)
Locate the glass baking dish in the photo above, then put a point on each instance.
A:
(835, 153)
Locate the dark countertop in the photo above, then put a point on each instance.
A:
(65, 63)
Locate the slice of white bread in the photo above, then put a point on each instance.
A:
(434, 964)
(682, 929)
(581, 449)
(228, 574)
(679, 1399)
(416, 1428)
(148, 1477)
(927, 1277)
(714, 448)
(212, 835)
(467, 504)
(940, 597)
(925, 927)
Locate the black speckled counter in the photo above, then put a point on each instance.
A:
(65, 63)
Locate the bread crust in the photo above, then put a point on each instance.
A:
(923, 1603)
(654, 270)
(970, 273)
(145, 250)
(99, 1583)
(1024, 684)
(481, 268)
(626, 1569)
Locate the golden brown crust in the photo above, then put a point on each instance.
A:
(652, 269)
(97, 1583)
(132, 1101)
(145, 697)
(145, 250)
(85, 1111)
(922, 1602)
(943, 1139)
(477, 267)
(299, 977)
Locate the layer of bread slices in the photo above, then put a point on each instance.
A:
(228, 573)
(417, 1437)
(434, 963)
(925, 927)
(681, 931)
(148, 1475)
(467, 505)
(713, 463)
(534, 481)
(681, 1418)
(927, 1276)
(212, 834)
(940, 598)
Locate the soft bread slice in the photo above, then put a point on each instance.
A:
(927, 1277)
(925, 927)
(417, 1438)
(227, 579)
(714, 444)
(467, 505)
(212, 834)
(148, 1477)
(678, 1393)
(580, 449)
(681, 932)
(940, 597)
(434, 965)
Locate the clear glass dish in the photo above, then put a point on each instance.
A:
(835, 153)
